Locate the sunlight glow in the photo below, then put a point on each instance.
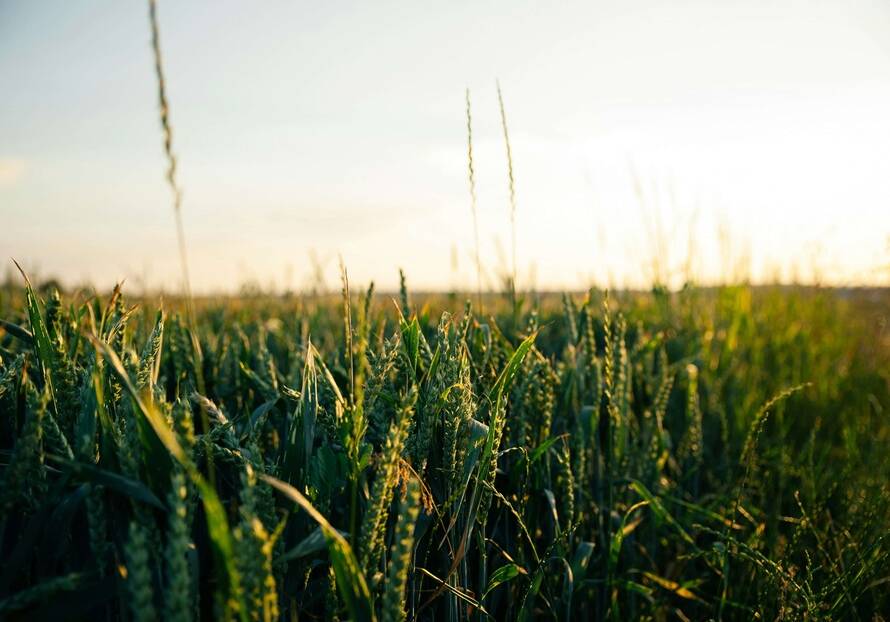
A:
(702, 140)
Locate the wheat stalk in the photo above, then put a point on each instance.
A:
(511, 184)
(164, 110)
(471, 172)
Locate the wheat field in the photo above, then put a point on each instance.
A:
(701, 453)
(706, 454)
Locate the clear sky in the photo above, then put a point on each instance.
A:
(755, 133)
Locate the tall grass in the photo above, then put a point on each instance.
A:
(471, 174)
(511, 186)
(167, 133)
(646, 457)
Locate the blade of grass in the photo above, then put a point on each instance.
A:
(350, 579)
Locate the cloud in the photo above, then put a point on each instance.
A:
(11, 170)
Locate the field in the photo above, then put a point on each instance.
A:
(701, 454)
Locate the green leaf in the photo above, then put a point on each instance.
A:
(350, 579)
(496, 396)
(312, 543)
(583, 554)
(661, 511)
(541, 449)
(618, 536)
(509, 372)
(411, 341)
(505, 573)
(637, 588)
(17, 331)
(527, 602)
(42, 591)
(124, 485)
(42, 344)
(497, 393)
(464, 596)
(86, 423)
(538, 577)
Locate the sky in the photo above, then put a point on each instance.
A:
(699, 140)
